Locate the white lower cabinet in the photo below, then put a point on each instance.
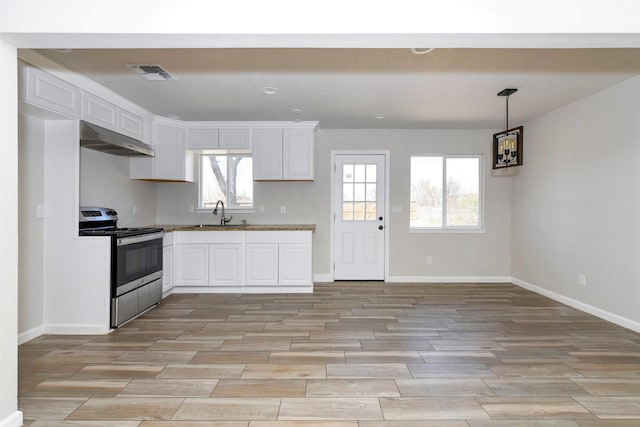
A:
(225, 264)
(262, 264)
(192, 264)
(243, 261)
(294, 264)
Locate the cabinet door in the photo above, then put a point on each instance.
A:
(202, 139)
(225, 264)
(192, 264)
(297, 155)
(130, 124)
(97, 110)
(261, 264)
(167, 268)
(49, 92)
(171, 161)
(294, 265)
(239, 139)
(267, 154)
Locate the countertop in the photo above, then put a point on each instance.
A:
(249, 227)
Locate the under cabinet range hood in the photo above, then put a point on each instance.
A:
(98, 138)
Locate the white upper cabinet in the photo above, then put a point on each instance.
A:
(283, 154)
(172, 161)
(49, 92)
(111, 116)
(235, 139)
(130, 124)
(267, 154)
(99, 111)
(297, 154)
(202, 139)
(203, 136)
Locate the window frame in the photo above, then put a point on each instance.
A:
(480, 228)
(231, 209)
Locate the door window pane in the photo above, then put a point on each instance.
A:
(347, 192)
(347, 173)
(359, 186)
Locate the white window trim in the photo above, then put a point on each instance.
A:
(455, 229)
(199, 209)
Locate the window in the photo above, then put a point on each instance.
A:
(446, 192)
(226, 177)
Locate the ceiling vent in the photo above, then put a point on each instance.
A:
(151, 72)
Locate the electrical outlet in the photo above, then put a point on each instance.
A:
(191, 209)
(429, 259)
(582, 280)
(261, 208)
(283, 209)
(134, 210)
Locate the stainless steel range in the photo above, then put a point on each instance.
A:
(136, 262)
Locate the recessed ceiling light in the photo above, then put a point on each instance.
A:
(174, 116)
(270, 90)
(379, 116)
(296, 111)
(422, 50)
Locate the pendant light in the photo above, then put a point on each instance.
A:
(507, 145)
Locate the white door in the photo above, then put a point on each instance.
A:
(359, 239)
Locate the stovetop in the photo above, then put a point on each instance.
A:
(120, 232)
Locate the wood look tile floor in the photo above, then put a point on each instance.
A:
(352, 354)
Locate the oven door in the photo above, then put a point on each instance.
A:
(138, 261)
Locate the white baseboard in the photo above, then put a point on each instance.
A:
(449, 279)
(13, 420)
(603, 314)
(76, 329)
(242, 290)
(32, 333)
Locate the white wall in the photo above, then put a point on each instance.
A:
(31, 231)
(9, 414)
(576, 203)
(104, 181)
(76, 269)
(454, 255)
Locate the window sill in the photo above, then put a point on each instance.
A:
(448, 230)
(228, 211)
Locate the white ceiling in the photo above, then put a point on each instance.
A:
(347, 88)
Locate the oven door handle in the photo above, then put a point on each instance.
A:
(123, 241)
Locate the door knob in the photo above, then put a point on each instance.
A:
(380, 227)
(380, 218)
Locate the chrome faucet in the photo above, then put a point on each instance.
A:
(223, 220)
